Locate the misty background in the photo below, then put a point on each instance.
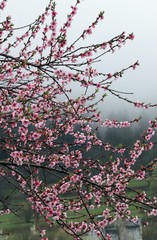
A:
(134, 16)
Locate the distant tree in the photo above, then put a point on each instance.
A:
(153, 183)
(26, 212)
(35, 89)
(116, 136)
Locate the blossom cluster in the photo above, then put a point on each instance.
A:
(50, 137)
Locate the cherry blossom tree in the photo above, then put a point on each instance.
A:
(48, 137)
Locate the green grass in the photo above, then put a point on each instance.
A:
(136, 184)
(11, 221)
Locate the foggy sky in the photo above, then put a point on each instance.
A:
(138, 16)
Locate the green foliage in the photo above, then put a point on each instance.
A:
(153, 184)
(26, 212)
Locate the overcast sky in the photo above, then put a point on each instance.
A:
(138, 16)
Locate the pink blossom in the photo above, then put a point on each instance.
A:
(131, 36)
(36, 136)
(42, 233)
(153, 212)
